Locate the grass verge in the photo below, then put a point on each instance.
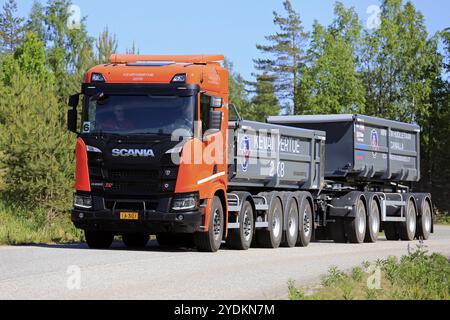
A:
(442, 218)
(416, 276)
(20, 225)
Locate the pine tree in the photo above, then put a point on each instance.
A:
(70, 52)
(29, 58)
(11, 27)
(36, 20)
(36, 148)
(265, 102)
(133, 50)
(106, 46)
(286, 56)
(237, 91)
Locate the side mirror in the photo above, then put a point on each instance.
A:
(74, 100)
(72, 120)
(216, 102)
(215, 120)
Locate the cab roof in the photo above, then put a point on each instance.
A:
(203, 70)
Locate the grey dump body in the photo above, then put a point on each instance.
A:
(364, 148)
(267, 156)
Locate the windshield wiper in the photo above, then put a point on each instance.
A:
(160, 134)
(108, 135)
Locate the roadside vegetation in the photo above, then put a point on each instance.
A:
(338, 68)
(20, 225)
(442, 218)
(416, 276)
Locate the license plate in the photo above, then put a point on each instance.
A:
(129, 216)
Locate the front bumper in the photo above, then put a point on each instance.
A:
(156, 221)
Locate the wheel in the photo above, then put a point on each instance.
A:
(210, 241)
(390, 231)
(373, 222)
(241, 239)
(305, 224)
(407, 229)
(99, 239)
(271, 238)
(135, 240)
(337, 231)
(291, 232)
(356, 227)
(424, 222)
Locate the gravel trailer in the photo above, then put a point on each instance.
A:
(365, 148)
(274, 169)
(370, 166)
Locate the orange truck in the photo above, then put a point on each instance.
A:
(161, 151)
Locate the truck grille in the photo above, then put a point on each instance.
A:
(135, 205)
(132, 182)
(134, 187)
(134, 174)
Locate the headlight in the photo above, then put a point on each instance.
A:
(187, 202)
(97, 77)
(84, 202)
(93, 149)
(179, 78)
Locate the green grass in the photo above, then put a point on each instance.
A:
(19, 225)
(416, 276)
(442, 218)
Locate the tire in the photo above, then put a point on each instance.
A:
(390, 231)
(271, 238)
(291, 233)
(356, 227)
(241, 239)
(407, 229)
(305, 224)
(135, 240)
(424, 222)
(336, 230)
(373, 223)
(211, 240)
(98, 239)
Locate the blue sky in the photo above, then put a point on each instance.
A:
(231, 27)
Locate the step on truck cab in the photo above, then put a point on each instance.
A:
(161, 151)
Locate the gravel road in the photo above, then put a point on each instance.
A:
(52, 271)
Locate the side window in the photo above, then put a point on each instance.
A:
(88, 114)
(205, 102)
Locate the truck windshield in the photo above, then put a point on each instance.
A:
(159, 115)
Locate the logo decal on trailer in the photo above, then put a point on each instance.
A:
(245, 149)
(374, 142)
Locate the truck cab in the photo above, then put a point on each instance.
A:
(148, 124)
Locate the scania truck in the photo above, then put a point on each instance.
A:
(161, 151)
